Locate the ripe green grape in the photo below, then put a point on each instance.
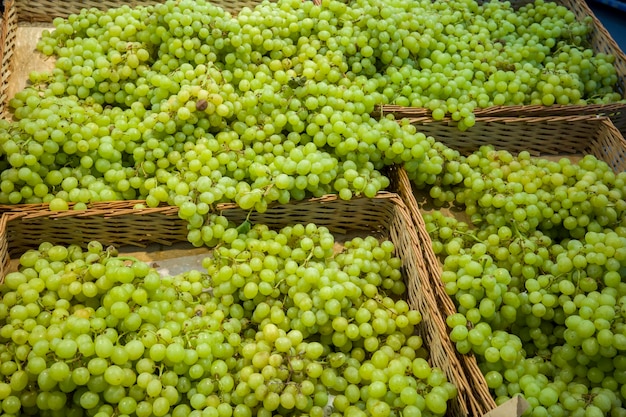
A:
(183, 104)
(133, 110)
(270, 315)
(534, 289)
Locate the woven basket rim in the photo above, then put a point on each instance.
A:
(124, 207)
(529, 120)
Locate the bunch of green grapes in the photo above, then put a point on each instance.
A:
(560, 198)
(206, 127)
(538, 300)
(275, 322)
(282, 94)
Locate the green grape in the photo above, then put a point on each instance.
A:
(184, 104)
(115, 367)
(543, 309)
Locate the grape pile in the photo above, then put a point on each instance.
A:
(536, 273)
(277, 323)
(183, 103)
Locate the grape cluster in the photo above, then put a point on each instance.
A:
(536, 273)
(183, 103)
(277, 323)
(560, 198)
(171, 111)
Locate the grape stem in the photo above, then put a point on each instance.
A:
(458, 233)
(127, 258)
(378, 300)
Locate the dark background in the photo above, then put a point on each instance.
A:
(613, 19)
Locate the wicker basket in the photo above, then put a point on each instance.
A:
(8, 27)
(568, 136)
(600, 40)
(402, 183)
(40, 14)
(29, 12)
(386, 215)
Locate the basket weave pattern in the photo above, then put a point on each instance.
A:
(541, 136)
(445, 303)
(120, 224)
(8, 34)
(45, 10)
